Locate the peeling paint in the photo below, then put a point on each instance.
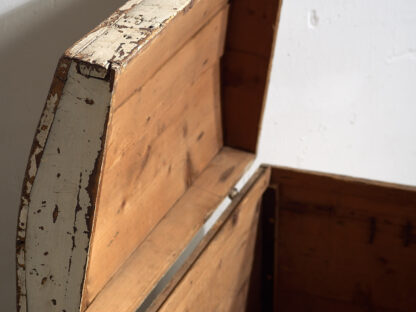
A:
(31, 170)
(61, 182)
(58, 201)
(131, 29)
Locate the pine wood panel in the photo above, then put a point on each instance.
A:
(78, 131)
(150, 261)
(218, 280)
(132, 119)
(297, 301)
(164, 45)
(262, 293)
(158, 142)
(345, 244)
(250, 40)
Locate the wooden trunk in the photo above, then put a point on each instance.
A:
(343, 244)
(142, 192)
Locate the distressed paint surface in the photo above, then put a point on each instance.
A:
(131, 28)
(58, 209)
(32, 168)
(58, 196)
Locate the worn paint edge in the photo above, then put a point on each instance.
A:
(139, 35)
(35, 156)
(112, 77)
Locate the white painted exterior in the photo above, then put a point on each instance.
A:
(137, 22)
(57, 235)
(58, 202)
(31, 42)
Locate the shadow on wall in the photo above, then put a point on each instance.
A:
(32, 38)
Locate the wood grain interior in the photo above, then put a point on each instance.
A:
(133, 141)
(219, 279)
(344, 244)
(130, 286)
(166, 43)
(245, 68)
(158, 142)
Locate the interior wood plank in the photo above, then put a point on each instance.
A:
(149, 262)
(218, 280)
(246, 64)
(132, 119)
(344, 243)
(158, 142)
(154, 56)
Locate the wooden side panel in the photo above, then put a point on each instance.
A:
(140, 274)
(158, 142)
(262, 291)
(219, 279)
(154, 56)
(245, 69)
(132, 119)
(59, 191)
(345, 245)
(94, 154)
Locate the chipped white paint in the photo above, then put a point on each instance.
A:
(53, 238)
(39, 144)
(92, 71)
(57, 236)
(132, 28)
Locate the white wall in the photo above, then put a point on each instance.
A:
(342, 94)
(342, 97)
